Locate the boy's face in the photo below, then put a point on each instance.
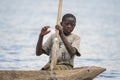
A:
(68, 25)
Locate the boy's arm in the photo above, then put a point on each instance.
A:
(70, 49)
(39, 46)
(39, 49)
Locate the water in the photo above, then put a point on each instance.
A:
(97, 24)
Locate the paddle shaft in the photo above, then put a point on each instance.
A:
(55, 49)
(58, 17)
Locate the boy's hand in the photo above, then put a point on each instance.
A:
(44, 30)
(59, 28)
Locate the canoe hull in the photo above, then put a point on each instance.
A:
(82, 73)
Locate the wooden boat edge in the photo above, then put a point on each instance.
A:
(80, 73)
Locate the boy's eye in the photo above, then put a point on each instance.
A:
(72, 24)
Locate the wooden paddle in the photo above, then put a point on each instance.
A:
(55, 44)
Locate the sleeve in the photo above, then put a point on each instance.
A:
(76, 44)
(47, 46)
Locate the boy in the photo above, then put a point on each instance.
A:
(68, 44)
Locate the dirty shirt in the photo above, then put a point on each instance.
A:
(63, 57)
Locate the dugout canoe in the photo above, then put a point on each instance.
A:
(81, 73)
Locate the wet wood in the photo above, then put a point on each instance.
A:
(82, 73)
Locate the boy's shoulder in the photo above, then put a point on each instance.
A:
(75, 35)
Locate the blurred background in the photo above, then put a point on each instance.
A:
(98, 24)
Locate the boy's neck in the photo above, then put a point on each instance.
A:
(66, 34)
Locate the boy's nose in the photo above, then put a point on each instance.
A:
(68, 26)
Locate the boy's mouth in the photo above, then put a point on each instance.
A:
(69, 30)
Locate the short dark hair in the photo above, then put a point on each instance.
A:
(68, 15)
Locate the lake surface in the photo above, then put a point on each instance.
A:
(98, 24)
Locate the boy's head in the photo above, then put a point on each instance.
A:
(67, 16)
(68, 23)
